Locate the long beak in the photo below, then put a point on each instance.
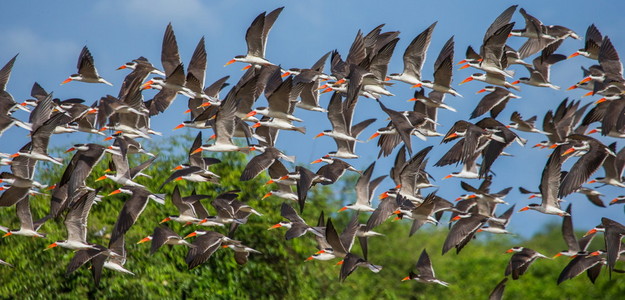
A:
(573, 55)
(114, 192)
(192, 234)
(524, 208)
(66, 81)
(316, 161)
(229, 62)
(373, 136)
(568, 151)
(145, 239)
(275, 226)
(466, 80)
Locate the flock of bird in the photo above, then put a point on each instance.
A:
(362, 73)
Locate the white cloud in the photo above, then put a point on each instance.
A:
(37, 49)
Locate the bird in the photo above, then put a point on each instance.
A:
(206, 243)
(163, 235)
(443, 71)
(575, 247)
(27, 228)
(550, 186)
(133, 207)
(262, 161)
(76, 223)
(425, 271)
(414, 57)
(296, 225)
(592, 43)
(521, 260)
(256, 38)
(365, 189)
(86, 70)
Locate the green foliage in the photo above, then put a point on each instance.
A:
(281, 271)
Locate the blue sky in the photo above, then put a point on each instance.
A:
(50, 37)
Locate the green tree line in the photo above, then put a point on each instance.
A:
(281, 271)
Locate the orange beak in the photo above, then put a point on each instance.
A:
(406, 278)
(600, 100)
(412, 99)
(229, 62)
(416, 85)
(557, 255)
(481, 91)
(466, 80)
(310, 258)
(451, 136)
(588, 94)
(275, 226)
(246, 67)
(316, 161)
(165, 220)
(322, 87)
(70, 149)
(256, 125)
(515, 82)
(373, 136)
(51, 246)
(14, 155)
(101, 178)
(343, 209)
(340, 81)
(114, 192)
(462, 62)
(179, 126)
(383, 195)
(266, 195)
(269, 182)
(592, 231)
(66, 81)
(122, 67)
(319, 135)
(198, 150)
(145, 239)
(448, 176)
(8, 233)
(524, 208)
(572, 87)
(585, 80)
(192, 234)
(573, 55)
(614, 200)
(568, 151)
(509, 251)
(464, 67)
(285, 74)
